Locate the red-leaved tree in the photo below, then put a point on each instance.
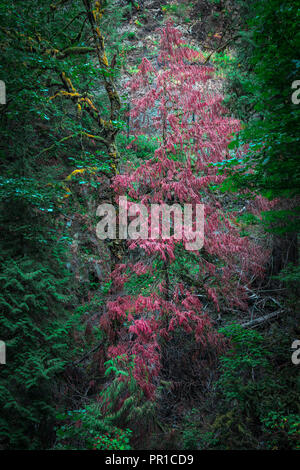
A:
(192, 132)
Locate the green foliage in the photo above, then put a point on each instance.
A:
(131, 35)
(289, 275)
(35, 326)
(191, 439)
(41, 143)
(144, 283)
(118, 441)
(133, 409)
(250, 380)
(283, 431)
(256, 405)
(260, 91)
(143, 147)
(178, 9)
(281, 221)
(87, 429)
(242, 367)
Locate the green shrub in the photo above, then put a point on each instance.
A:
(87, 428)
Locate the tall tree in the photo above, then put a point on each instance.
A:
(192, 136)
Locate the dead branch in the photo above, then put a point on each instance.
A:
(261, 320)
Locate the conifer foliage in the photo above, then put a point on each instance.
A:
(35, 324)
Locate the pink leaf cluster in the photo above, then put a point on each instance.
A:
(192, 130)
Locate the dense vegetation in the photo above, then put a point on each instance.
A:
(145, 343)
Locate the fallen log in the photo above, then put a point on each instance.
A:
(260, 320)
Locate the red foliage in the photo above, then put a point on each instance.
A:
(193, 133)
